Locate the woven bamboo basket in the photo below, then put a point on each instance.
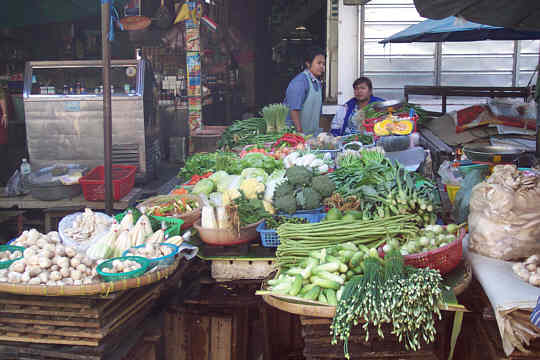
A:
(92, 289)
(189, 217)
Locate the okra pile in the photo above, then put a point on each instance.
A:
(389, 292)
(322, 275)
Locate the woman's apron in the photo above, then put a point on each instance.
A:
(310, 114)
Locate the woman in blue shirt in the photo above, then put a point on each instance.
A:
(304, 95)
(345, 121)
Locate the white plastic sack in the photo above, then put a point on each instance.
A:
(504, 217)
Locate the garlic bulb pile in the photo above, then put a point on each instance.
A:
(47, 262)
(121, 266)
(8, 255)
(86, 225)
(152, 251)
(529, 271)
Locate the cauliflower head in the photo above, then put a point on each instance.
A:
(229, 196)
(252, 188)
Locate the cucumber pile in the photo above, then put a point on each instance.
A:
(321, 276)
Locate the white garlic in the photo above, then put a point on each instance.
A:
(82, 268)
(63, 262)
(87, 281)
(531, 267)
(77, 282)
(34, 281)
(75, 262)
(46, 254)
(32, 260)
(76, 275)
(14, 277)
(44, 277)
(87, 261)
(50, 247)
(55, 268)
(70, 252)
(68, 281)
(25, 277)
(51, 283)
(65, 271)
(29, 252)
(42, 243)
(60, 250)
(18, 266)
(44, 262)
(55, 276)
(34, 270)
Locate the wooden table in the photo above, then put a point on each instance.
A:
(59, 208)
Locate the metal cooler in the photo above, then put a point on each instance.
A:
(63, 105)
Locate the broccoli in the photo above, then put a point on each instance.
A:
(286, 204)
(323, 185)
(298, 175)
(308, 199)
(284, 188)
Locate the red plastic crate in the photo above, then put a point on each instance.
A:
(93, 183)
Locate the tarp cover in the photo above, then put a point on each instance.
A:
(516, 14)
(457, 29)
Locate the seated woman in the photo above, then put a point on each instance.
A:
(345, 120)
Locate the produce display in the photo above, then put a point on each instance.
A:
(429, 238)
(298, 240)
(275, 116)
(276, 221)
(324, 141)
(385, 187)
(529, 270)
(322, 275)
(122, 266)
(87, 225)
(151, 250)
(47, 262)
(170, 206)
(390, 292)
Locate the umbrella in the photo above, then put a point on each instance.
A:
(516, 14)
(455, 29)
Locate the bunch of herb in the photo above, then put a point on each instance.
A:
(390, 293)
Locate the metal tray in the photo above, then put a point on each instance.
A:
(492, 153)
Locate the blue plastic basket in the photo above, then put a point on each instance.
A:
(162, 261)
(270, 238)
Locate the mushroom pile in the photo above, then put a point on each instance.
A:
(47, 262)
(529, 270)
(87, 225)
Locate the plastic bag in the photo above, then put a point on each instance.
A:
(504, 219)
(16, 185)
(460, 210)
(449, 174)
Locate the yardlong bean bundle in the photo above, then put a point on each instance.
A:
(298, 240)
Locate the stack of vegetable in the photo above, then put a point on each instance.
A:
(429, 238)
(321, 276)
(298, 240)
(314, 161)
(390, 293)
(385, 188)
(275, 116)
(302, 190)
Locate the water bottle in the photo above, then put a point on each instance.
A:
(26, 169)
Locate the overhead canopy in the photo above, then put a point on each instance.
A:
(18, 13)
(516, 14)
(455, 29)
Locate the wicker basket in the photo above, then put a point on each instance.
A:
(189, 217)
(444, 259)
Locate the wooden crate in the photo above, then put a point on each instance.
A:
(191, 336)
(317, 343)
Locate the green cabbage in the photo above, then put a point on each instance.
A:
(204, 186)
(255, 173)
